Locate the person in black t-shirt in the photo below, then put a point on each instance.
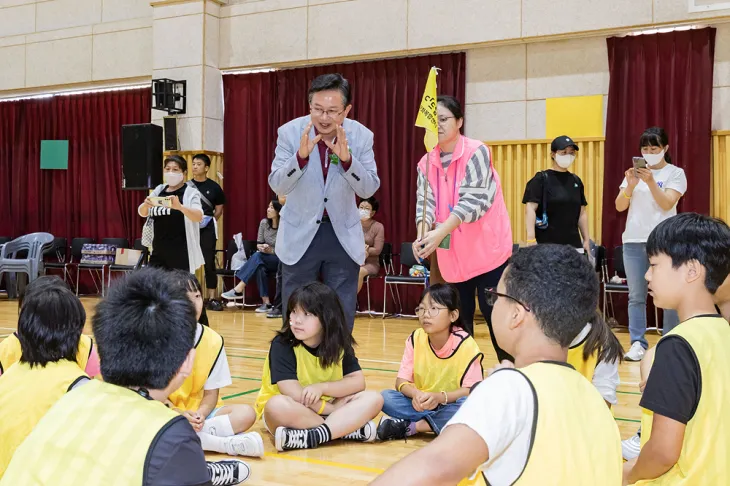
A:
(567, 218)
(212, 199)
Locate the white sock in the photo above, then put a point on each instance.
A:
(219, 426)
(212, 443)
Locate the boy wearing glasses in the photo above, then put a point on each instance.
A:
(441, 362)
(538, 420)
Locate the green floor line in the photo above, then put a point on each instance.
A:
(241, 394)
(628, 393)
(245, 378)
(379, 369)
(247, 357)
(627, 420)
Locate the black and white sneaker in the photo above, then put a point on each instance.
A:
(290, 439)
(392, 429)
(366, 433)
(227, 473)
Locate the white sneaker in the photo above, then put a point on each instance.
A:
(366, 433)
(636, 353)
(631, 447)
(250, 444)
(228, 473)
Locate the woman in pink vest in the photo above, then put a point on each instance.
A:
(467, 224)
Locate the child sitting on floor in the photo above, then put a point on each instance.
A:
(87, 357)
(48, 333)
(441, 362)
(312, 389)
(220, 427)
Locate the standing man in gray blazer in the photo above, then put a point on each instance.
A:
(322, 162)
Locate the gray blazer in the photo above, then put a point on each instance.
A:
(308, 194)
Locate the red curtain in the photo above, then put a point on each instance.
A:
(386, 95)
(87, 199)
(659, 80)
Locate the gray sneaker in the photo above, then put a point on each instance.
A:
(263, 309)
(232, 295)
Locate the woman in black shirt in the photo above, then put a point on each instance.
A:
(567, 218)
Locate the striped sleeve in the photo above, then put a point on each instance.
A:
(430, 205)
(478, 189)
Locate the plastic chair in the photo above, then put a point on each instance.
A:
(33, 245)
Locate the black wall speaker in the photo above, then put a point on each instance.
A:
(170, 123)
(141, 156)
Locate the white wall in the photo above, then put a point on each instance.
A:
(59, 42)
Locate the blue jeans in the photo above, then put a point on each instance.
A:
(636, 264)
(259, 265)
(399, 406)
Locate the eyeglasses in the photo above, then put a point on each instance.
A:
(444, 119)
(318, 112)
(493, 295)
(430, 312)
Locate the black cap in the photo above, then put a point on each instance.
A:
(562, 142)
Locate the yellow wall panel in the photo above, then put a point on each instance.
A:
(720, 188)
(577, 116)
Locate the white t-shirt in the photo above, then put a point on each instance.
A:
(644, 212)
(220, 376)
(501, 410)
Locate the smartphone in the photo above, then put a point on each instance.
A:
(161, 201)
(639, 163)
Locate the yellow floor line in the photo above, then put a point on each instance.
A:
(320, 462)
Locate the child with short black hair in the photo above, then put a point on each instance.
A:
(49, 328)
(220, 427)
(441, 362)
(537, 421)
(686, 433)
(87, 357)
(313, 389)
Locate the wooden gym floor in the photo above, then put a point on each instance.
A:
(380, 346)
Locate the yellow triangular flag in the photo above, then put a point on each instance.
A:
(427, 117)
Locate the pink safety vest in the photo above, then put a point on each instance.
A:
(478, 247)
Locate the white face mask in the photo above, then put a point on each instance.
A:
(654, 159)
(364, 215)
(564, 161)
(173, 178)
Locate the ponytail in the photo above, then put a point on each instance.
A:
(603, 342)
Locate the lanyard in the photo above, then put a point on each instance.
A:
(438, 189)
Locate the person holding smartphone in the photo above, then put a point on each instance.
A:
(261, 263)
(651, 195)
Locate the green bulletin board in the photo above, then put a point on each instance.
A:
(54, 154)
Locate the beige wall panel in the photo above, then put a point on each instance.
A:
(372, 26)
(177, 42)
(721, 76)
(125, 54)
(721, 108)
(62, 14)
(17, 20)
(212, 40)
(567, 68)
(213, 137)
(535, 121)
(545, 17)
(440, 23)
(673, 10)
(496, 121)
(496, 74)
(213, 94)
(58, 62)
(246, 7)
(263, 38)
(12, 60)
(115, 10)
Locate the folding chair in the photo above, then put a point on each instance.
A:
(57, 253)
(610, 288)
(386, 268)
(94, 269)
(407, 260)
